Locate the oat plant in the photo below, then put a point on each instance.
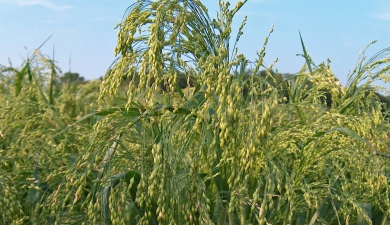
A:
(210, 154)
(227, 149)
(39, 139)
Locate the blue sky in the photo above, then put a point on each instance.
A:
(84, 31)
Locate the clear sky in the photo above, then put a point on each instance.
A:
(84, 31)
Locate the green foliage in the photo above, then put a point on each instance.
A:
(218, 156)
(39, 139)
(227, 148)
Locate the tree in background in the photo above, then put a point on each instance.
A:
(71, 77)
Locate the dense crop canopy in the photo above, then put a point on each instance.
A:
(222, 147)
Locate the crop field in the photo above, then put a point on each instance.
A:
(183, 129)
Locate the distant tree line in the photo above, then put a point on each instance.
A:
(71, 78)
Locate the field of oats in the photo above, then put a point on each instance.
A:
(181, 131)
